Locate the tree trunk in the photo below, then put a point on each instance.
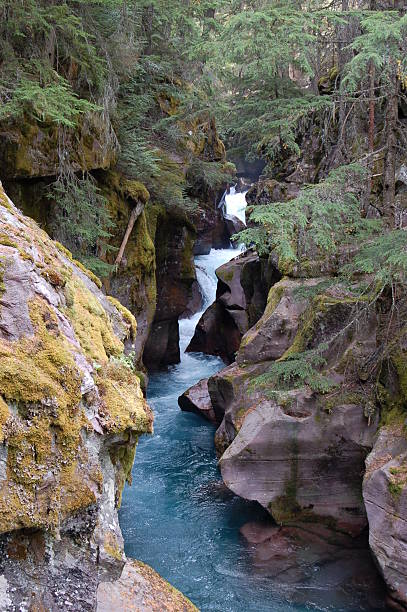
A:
(148, 18)
(389, 181)
(370, 160)
(134, 215)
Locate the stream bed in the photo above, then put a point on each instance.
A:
(179, 518)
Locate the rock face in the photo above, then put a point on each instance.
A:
(197, 400)
(233, 225)
(211, 230)
(141, 588)
(30, 149)
(71, 411)
(176, 278)
(241, 297)
(302, 407)
(385, 497)
(296, 451)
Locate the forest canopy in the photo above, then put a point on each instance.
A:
(268, 71)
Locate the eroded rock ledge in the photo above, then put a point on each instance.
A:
(297, 436)
(71, 412)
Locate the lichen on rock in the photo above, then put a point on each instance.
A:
(71, 408)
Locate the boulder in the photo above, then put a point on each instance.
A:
(141, 588)
(296, 450)
(197, 400)
(162, 346)
(175, 283)
(385, 498)
(233, 224)
(216, 334)
(210, 227)
(275, 331)
(241, 296)
(300, 462)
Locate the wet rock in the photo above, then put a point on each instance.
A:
(233, 225)
(162, 346)
(197, 400)
(241, 296)
(211, 231)
(175, 281)
(216, 334)
(195, 302)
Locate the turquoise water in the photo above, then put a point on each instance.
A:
(179, 518)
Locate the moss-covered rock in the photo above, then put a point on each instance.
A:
(71, 407)
(30, 149)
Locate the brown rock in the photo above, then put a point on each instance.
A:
(162, 346)
(140, 588)
(385, 497)
(233, 224)
(240, 300)
(197, 400)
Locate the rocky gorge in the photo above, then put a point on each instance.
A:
(203, 258)
(320, 446)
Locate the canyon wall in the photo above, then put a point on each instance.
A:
(72, 411)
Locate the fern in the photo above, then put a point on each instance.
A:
(297, 370)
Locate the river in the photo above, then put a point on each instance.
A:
(178, 517)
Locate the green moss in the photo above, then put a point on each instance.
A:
(63, 250)
(111, 546)
(124, 407)
(5, 415)
(91, 323)
(122, 458)
(226, 276)
(88, 273)
(126, 314)
(329, 403)
(397, 480)
(4, 201)
(285, 508)
(134, 190)
(39, 367)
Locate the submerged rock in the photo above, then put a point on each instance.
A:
(316, 565)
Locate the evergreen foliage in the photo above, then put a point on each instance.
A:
(296, 370)
(81, 219)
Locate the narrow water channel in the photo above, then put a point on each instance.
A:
(179, 518)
